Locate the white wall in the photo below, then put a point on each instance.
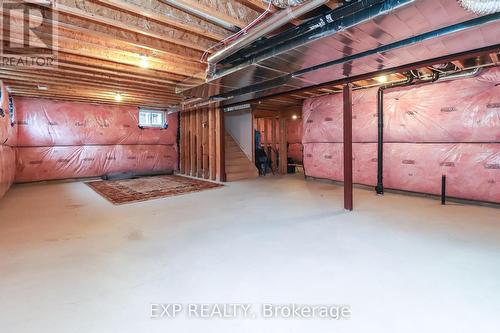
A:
(239, 125)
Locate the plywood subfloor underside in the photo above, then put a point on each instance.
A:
(72, 262)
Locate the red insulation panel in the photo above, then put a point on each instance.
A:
(60, 140)
(449, 128)
(47, 163)
(44, 122)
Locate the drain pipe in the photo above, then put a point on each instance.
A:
(379, 188)
(380, 140)
(274, 22)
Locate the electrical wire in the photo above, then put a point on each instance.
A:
(236, 35)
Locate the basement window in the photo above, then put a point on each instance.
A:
(152, 118)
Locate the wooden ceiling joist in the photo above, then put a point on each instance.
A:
(494, 58)
(221, 10)
(122, 57)
(127, 27)
(55, 81)
(146, 13)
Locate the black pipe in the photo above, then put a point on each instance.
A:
(443, 189)
(380, 141)
(379, 188)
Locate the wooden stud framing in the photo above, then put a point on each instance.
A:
(192, 135)
(205, 152)
(220, 145)
(187, 139)
(273, 145)
(212, 144)
(199, 144)
(283, 146)
(182, 144)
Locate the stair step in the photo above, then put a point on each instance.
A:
(239, 168)
(236, 154)
(238, 162)
(238, 165)
(233, 176)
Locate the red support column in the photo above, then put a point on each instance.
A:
(348, 146)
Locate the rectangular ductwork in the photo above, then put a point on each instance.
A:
(372, 36)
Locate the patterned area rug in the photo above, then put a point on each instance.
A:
(147, 188)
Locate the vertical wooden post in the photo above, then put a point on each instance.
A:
(253, 128)
(199, 144)
(205, 143)
(273, 145)
(192, 127)
(182, 143)
(265, 138)
(283, 147)
(221, 145)
(187, 140)
(212, 144)
(348, 200)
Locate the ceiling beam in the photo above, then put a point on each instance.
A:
(91, 77)
(125, 27)
(90, 99)
(458, 63)
(105, 53)
(56, 80)
(208, 14)
(494, 58)
(164, 19)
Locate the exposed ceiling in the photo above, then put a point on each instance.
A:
(102, 44)
(343, 44)
(292, 102)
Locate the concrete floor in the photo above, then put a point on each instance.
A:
(72, 262)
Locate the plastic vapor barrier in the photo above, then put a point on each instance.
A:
(60, 140)
(446, 128)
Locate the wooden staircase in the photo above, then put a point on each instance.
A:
(238, 165)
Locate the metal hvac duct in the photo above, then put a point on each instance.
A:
(266, 85)
(274, 22)
(460, 75)
(481, 7)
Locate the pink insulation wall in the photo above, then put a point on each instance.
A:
(59, 140)
(7, 140)
(450, 128)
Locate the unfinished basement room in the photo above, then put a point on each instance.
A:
(250, 166)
